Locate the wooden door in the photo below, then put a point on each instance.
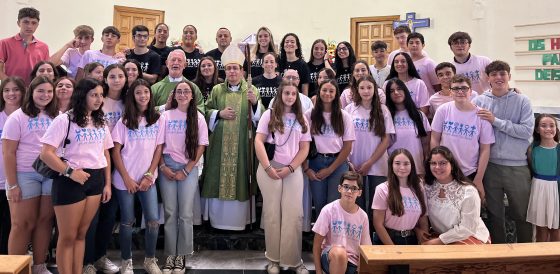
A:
(366, 30)
(125, 18)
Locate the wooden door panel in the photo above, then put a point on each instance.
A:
(125, 18)
(366, 30)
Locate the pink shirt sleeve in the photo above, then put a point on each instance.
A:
(118, 133)
(263, 123)
(349, 134)
(321, 226)
(380, 197)
(12, 129)
(56, 132)
(437, 122)
(423, 95)
(486, 133)
(202, 130)
(108, 141)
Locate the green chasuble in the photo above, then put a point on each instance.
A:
(162, 89)
(225, 166)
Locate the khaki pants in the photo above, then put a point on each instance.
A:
(282, 215)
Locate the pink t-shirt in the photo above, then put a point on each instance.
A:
(71, 59)
(340, 228)
(418, 92)
(426, 68)
(462, 132)
(287, 144)
(113, 110)
(138, 148)
(437, 100)
(346, 97)
(3, 118)
(366, 141)
(406, 136)
(91, 56)
(175, 134)
(329, 141)
(411, 204)
(474, 70)
(19, 59)
(27, 131)
(87, 144)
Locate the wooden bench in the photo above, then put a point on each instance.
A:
(15, 264)
(493, 258)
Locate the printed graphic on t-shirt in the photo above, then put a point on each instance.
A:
(328, 130)
(473, 75)
(292, 123)
(343, 79)
(313, 77)
(143, 132)
(361, 124)
(144, 66)
(257, 63)
(176, 126)
(269, 92)
(90, 135)
(192, 63)
(411, 204)
(461, 130)
(112, 117)
(343, 228)
(38, 124)
(404, 122)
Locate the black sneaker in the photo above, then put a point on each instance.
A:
(169, 265)
(179, 265)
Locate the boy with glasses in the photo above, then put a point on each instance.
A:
(342, 226)
(149, 60)
(469, 64)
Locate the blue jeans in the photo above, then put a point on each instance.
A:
(178, 204)
(100, 230)
(350, 267)
(148, 200)
(325, 191)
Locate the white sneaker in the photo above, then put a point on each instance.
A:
(273, 268)
(169, 265)
(126, 267)
(150, 265)
(89, 269)
(179, 267)
(301, 269)
(40, 269)
(106, 266)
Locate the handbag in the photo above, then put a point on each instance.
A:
(43, 168)
(270, 148)
(312, 150)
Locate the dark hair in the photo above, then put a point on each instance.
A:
(277, 110)
(28, 107)
(497, 66)
(191, 131)
(401, 29)
(317, 119)
(83, 30)
(192, 26)
(40, 63)
(537, 136)
(138, 28)
(311, 57)
(199, 79)
(376, 121)
(414, 114)
(338, 66)
(138, 67)
(456, 172)
(90, 67)
(415, 35)
(271, 45)
(60, 80)
(111, 30)
(394, 197)
(353, 84)
(20, 85)
(283, 58)
(459, 78)
(155, 31)
(411, 68)
(78, 101)
(131, 116)
(460, 35)
(443, 65)
(28, 12)
(378, 45)
(352, 176)
(106, 74)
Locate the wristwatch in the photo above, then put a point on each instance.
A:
(68, 171)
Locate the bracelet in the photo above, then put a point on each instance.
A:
(290, 168)
(185, 172)
(269, 167)
(162, 166)
(12, 187)
(148, 174)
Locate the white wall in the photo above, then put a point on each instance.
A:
(490, 22)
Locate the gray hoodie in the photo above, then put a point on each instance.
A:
(513, 126)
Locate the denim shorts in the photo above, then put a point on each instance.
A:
(33, 184)
(350, 267)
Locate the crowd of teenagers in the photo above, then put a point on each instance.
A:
(405, 151)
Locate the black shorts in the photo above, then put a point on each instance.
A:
(65, 191)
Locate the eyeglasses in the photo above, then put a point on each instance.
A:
(462, 89)
(292, 78)
(342, 49)
(183, 92)
(352, 189)
(460, 42)
(440, 163)
(141, 36)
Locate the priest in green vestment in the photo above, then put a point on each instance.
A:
(176, 62)
(226, 168)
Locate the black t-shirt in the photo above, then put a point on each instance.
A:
(216, 54)
(313, 75)
(267, 87)
(301, 67)
(162, 52)
(149, 61)
(193, 59)
(343, 78)
(256, 65)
